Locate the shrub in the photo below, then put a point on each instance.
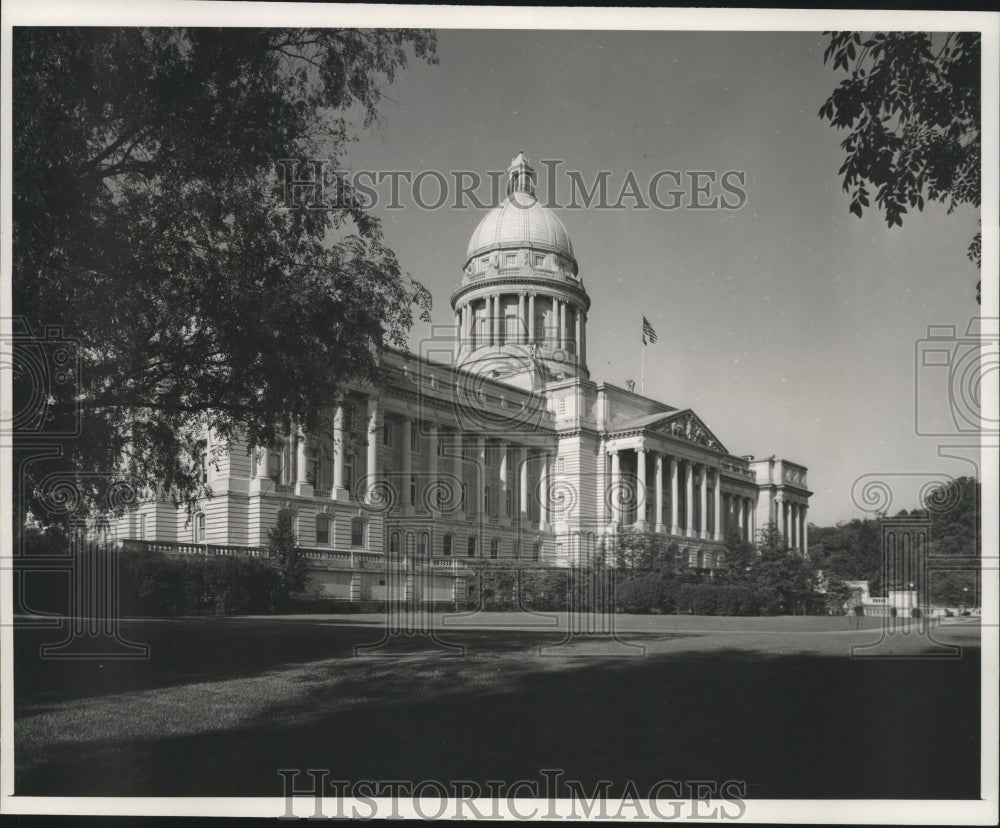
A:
(640, 595)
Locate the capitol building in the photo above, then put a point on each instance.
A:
(492, 443)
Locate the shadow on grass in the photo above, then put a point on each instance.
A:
(789, 725)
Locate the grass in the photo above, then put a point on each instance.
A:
(222, 704)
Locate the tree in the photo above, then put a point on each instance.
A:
(288, 562)
(911, 104)
(639, 553)
(740, 558)
(151, 227)
(792, 577)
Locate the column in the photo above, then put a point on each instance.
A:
(496, 320)
(689, 497)
(260, 466)
(531, 317)
(640, 487)
(718, 505)
(583, 336)
(406, 466)
(616, 482)
(805, 531)
(579, 327)
(522, 499)
(740, 504)
(751, 520)
(704, 503)
(658, 471)
(544, 487)
(372, 466)
(481, 477)
(302, 485)
(777, 512)
(338, 450)
(675, 527)
(522, 319)
(433, 439)
(794, 508)
(458, 333)
(562, 325)
(504, 487)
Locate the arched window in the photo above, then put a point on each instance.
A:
(286, 519)
(199, 527)
(358, 531)
(495, 548)
(322, 530)
(472, 546)
(425, 544)
(449, 543)
(394, 543)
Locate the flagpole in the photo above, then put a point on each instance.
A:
(642, 375)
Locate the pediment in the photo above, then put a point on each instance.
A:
(678, 425)
(686, 425)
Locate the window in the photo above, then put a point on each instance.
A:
(509, 259)
(495, 548)
(348, 472)
(414, 438)
(540, 327)
(413, 489)
(274, 463)
(560, 465)
(358, 532)
(322, 530)
(142, 527)
(425, 544)
(472, 546)
(449, 544)
(387, 434)
(510, 328)
(348, 416)
(409, 544)
(203, 461)
(488, 455)
(536, 552)
(312, 467)
(484, 262)
(562, 405)
(539, 260)
(394, 544)
(199, 527)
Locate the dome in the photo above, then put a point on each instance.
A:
(520, 222)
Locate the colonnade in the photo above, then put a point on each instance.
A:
(566, 329)
(689, 484)
(790, 518)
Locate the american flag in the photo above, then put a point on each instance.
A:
(649, 336)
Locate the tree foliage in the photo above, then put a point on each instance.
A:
(911, 105)
(149, 226)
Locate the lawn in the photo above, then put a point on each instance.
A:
(222, 704)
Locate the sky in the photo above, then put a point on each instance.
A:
(789, 325)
